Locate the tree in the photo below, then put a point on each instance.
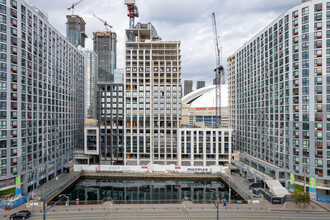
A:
(299, 195)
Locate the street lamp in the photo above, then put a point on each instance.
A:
(217, 207)
(67, 203)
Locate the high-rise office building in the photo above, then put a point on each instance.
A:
(90, 63)
(188, 85)
(105, 46)
(75, 30)
(200, 84)
(42, 98)
(281, 91)
(152, 97)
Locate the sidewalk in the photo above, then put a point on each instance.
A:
(262, 207)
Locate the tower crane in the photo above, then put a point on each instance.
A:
(74, 5)
(104, 22)
(219, 71)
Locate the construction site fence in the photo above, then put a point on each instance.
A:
(7, 205)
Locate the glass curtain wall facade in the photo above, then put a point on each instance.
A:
(105, 46)
(282, 111)
(42, 96)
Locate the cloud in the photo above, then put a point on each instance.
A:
(186, 20)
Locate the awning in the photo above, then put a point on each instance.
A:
(276, 188)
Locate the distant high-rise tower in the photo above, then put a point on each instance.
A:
(188, 85)
(90, 64)
(75, 30)
(200, 84)
(105, 46)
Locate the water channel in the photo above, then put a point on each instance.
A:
(138, 191)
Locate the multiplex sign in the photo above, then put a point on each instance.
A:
(199, 170)
(147, 69)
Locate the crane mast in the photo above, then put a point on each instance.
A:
(132, 14)
(219, 71)
(74, 5)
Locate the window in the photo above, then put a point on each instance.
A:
(318, 16)
(2, 18)
(2, 9)
(3, 86)
(305, 37)
(318, 35)
(305, 11)
(305, 46)
(305, 64)
(318, 25)
(295, 14)
(305, 55)
(3, 124)
(305, 81)
(199, 118)
(305, 90)
(3, 28)
(305, 28)
(318, 7)
(305, 19)
(3, 38)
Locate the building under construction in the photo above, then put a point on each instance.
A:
(105, 44)
(75, 30)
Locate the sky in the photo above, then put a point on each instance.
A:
(188, 21)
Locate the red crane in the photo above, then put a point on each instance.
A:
(74, 5)
(132, 12)
(104, 22)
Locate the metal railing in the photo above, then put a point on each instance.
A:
(47, 192)
(99, 202)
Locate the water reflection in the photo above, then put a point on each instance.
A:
(148, 191)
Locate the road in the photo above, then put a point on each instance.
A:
(181, 214)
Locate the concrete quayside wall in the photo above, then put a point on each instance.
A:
(151, 168)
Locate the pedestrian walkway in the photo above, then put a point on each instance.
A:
(239, 180)
(47, 187)
(55, 184)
